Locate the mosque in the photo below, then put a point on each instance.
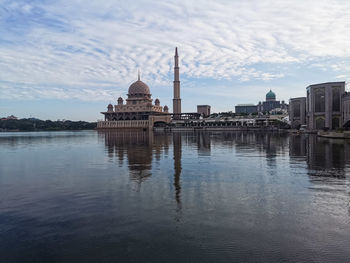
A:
(139, 111)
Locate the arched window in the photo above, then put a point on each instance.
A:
(296, 109)
(320, 123)
(335, 123)
(336, 99)
(320, 100)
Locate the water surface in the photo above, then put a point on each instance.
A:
(179, 197)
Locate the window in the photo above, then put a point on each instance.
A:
(335, 123)
(319, 100)
(336, 98)
(320, 123)
(296, 109)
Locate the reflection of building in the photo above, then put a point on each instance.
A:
(203, 143)
(323, 105)
(266, 106)
(203, 110)
(297, 146)
(326, 157)
(135, 147)
(297, 112)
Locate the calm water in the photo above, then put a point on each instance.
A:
(181, 197)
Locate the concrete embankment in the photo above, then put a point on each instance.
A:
(334, 134)
(268, 129)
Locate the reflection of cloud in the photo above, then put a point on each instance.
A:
(50, 45)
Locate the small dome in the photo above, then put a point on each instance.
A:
(157, 102)
(109, 108)
(270, 95)
(120, 99)
(139, 87)
(166, 109)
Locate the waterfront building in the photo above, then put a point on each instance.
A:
(137, 112)
(203, 110)
(346, 109)
(323, 105)
(268, 105)
(246, 108)
(271, 103)
(297, 112)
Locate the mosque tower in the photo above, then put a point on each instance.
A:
(176, 99)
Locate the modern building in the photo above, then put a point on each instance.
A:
(346, 109)
(203, 110)
(324, 105)
(297, 112)
(246, 108)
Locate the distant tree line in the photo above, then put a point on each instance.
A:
(40, 125)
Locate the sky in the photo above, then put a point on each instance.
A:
(70, 59)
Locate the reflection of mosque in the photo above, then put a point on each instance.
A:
(138, 148)
(133, 146)
(324, 157)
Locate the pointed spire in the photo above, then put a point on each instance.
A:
(138, 74)
(176, 52)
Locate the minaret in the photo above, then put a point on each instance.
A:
(176, 99)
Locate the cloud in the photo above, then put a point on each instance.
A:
(54, 48)
(26, 91)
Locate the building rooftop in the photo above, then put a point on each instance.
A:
(297, 98)
(327, 83)
(270, 95)
(245, 105)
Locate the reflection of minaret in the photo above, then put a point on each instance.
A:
(177, 167)
(176, 100)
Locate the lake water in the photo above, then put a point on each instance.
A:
(179, 197)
